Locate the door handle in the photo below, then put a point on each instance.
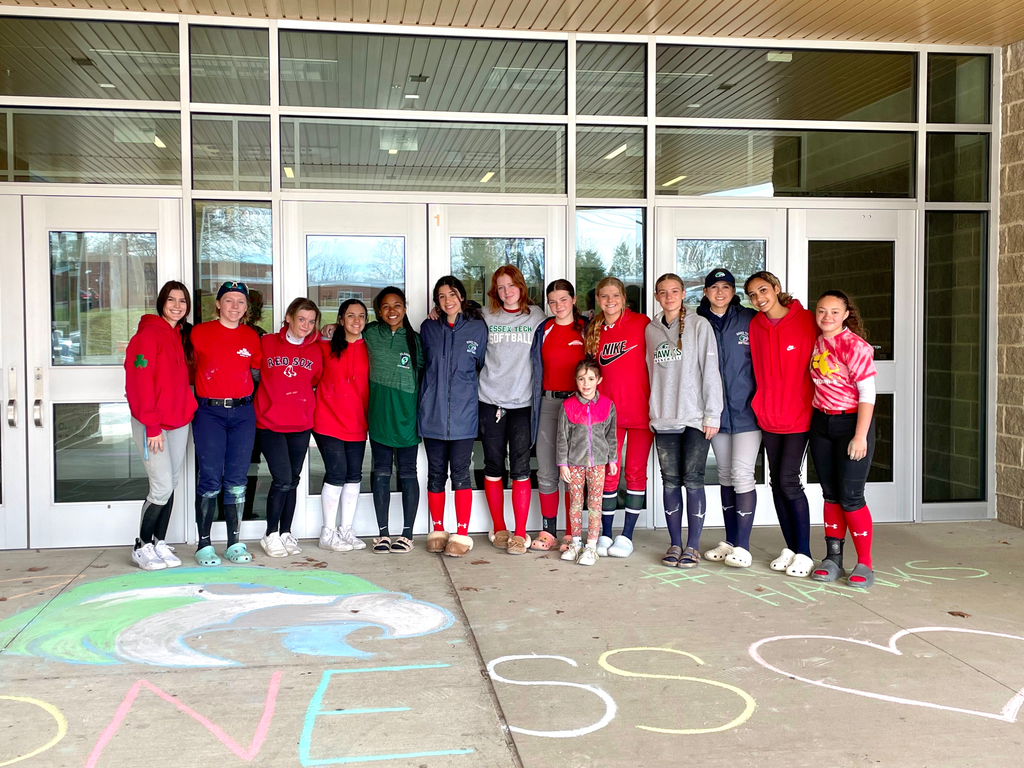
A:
(37, 412)
(37, 406)
(12, 393)
(12, 412)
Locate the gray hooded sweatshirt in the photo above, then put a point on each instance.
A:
(686, 388)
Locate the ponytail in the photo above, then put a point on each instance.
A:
(854, 322)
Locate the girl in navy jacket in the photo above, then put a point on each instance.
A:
(739, 438)
(453, 346)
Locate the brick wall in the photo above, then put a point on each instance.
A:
(1010, 407)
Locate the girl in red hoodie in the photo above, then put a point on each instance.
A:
(292, 366)
(161, 403)
(782, 340)
(340, 425)
(615, 337)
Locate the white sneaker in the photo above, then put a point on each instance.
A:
(330, 538)
(290, 544)
(588, 556)
(146, 558)
(573, 550)
(273, 545)
(166, 554)
(349, 536)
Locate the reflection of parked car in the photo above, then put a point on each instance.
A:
(693, 295)
(87, 298)
(66, 351)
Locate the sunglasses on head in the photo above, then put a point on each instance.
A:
(233, 285)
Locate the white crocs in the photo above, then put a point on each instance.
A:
(623, 547)
(719, 553)
(739, 558)
(783, 561)
(800, 567)
(603, 542)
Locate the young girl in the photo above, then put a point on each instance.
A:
(585, 445)
(738, 440)
(509, 402)
(615, 338)
(228, 357)
(685, 408)
(561, 350)
(782, 340)
(161, 403)
(843, 434)
(340, 425)
(396, 365)
(292, 366)
(454, 346)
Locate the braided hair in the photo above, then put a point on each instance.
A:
(682, 307)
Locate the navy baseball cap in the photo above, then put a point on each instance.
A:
(232, 285)
(719, 275)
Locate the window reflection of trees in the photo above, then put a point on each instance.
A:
(340, 268)
(474, 260)
(695, 258)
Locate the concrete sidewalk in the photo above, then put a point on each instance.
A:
(337, 659)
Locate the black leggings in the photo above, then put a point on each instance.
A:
(842, 479)
(785, 458)
(285, 453)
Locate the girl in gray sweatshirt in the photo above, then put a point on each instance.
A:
(685, 408)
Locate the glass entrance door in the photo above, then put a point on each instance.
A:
(93, 267)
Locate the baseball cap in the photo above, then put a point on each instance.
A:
(232, 285)
(719, 275)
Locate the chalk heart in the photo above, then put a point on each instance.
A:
(1008, 714)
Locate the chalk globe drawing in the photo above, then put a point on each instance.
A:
(146, 618)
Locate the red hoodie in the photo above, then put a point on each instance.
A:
(285, 399)
(343, 397)
(156, 377)
(622, 355)
(781, 355)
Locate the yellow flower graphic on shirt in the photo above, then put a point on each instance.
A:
(821, 364)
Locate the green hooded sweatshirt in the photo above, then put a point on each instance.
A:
(394, 385)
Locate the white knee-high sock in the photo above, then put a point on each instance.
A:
(349, 499)
(329, 498)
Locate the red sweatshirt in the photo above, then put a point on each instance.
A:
(156, 377)
(223, 359)
(343, 397)
(781, 355)
(285, 400)
(622, 355)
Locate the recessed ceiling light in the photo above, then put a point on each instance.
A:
(392, 151)
(107, 85)
(289, 172)
(784, 56)
(693, 106)
(412, 96)
(159, 143)
(676, 180)
(487, 177)
(615, 153)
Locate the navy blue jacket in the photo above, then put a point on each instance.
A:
(732, 331)
(448, 394)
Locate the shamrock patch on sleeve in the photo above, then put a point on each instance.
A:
(141, 361)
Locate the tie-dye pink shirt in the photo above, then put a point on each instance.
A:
(836, 366)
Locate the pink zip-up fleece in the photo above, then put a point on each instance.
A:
(586, 432)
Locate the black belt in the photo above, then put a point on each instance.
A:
(559, 395)
(226, 402)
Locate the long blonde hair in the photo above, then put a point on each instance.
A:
(682, 307)
(773, 281)
(593, 338)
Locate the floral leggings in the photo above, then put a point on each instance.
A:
(594, 478)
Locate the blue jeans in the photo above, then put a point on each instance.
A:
(223, 439)
(343, 459)
(683, 458)
(442, 454)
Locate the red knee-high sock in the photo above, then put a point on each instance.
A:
(435, 503)
(567, 520)
(494, 490)
(835, 521)
(463, 510)
(861, 527)
(521, 504)
(548, 504)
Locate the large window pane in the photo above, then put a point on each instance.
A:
(611, 79)
(765, 163)
(233, 242)
(230, 65)
(93, 147)
(959, 88)
(94, 456)
(474, 260)
(422, 156)
(957, 167)
(414, 72)
(695, 258)
(609, 161)
(101, 283)
(88, 59)
(864, 269)
(231, 152)
(610, 241)
(785, 84)
(954, 356)
(340, 268)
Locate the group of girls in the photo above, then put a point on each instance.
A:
(593, 396)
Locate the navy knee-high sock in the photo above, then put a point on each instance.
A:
(729, 513)
(608, 503)
(800, 520)
(635, 503)
(696, 502)
(785, 522)
(673, 498)
(746, 503)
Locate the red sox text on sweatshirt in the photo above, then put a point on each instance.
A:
(285, 400)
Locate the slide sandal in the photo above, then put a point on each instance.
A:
(690, 558)
(862, 577)
(828, 571)
(207, 556)
(672, 556)
(382, 546)
(544, 542)
(237, 553)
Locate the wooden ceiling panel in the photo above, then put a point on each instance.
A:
(948, 22)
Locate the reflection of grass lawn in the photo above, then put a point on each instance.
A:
(105, 332)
